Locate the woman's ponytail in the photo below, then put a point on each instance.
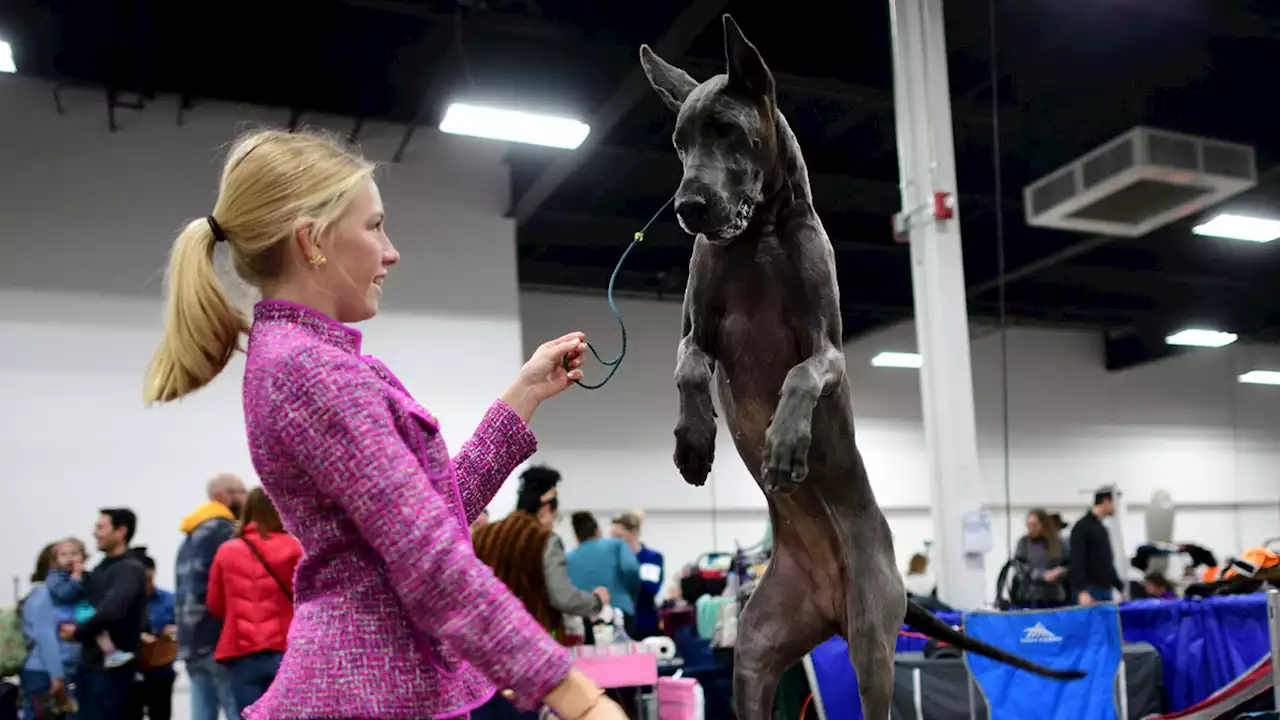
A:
(202, 328)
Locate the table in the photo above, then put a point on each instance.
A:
(621, 665)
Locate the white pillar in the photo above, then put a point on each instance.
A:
(926, 158)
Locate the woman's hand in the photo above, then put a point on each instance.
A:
(545, 376)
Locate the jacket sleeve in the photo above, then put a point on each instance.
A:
(216, 599)
(560, 590)
(213, 535)
(128, 582)
(1022, 555)
(630, 569)
(64, 589)
(484, 462)
(1076, 575)
(37, 617)
(295, 557)
(329, 411)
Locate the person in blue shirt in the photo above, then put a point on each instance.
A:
(626, 527)
(47, 678)
(604, 562)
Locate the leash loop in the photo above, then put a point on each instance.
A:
(615, 363)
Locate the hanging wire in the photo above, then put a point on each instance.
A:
(1000, 273)
(460, 47)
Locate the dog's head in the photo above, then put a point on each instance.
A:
(726, 136)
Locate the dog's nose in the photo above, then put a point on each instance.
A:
(692, 211)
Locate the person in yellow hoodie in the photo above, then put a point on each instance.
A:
(206, 528)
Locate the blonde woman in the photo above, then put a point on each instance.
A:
(394, 615)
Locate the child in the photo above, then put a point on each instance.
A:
(68, 595)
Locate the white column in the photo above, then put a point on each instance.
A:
(926, 157)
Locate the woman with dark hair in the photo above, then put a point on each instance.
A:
(251, 589)
(46, 678)
(1042, 563)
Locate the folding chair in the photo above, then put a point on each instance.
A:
(1082, 638)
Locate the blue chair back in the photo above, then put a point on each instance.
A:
(1081, 638)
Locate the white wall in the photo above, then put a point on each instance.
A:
(86, 218)
(1184, 425)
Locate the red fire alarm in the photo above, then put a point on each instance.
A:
(944, 206)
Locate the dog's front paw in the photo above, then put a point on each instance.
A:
(695, 448)
(786, 456)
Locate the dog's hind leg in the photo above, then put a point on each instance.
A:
(779, 625)
(877, 603)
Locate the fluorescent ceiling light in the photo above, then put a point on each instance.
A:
(6, 58)
(898, 360)
(1240, 227)
(514, 126)
(1194, 337)
(1261, 377)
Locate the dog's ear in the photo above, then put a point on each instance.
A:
(671, 83)
(747, 71)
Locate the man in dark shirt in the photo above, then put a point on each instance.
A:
(1092, 571)
(116, 589)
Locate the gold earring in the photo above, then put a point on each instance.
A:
(317, 260)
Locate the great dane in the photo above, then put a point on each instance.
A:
(761, 319)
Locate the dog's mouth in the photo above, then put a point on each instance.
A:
(738, 221)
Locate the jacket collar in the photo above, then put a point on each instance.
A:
(312, 321)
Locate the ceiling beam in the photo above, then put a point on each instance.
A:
(580, 230)
(858, 96)
(1146, 283)
(678, 37)
(582, 280)
(656, 174)
(1224, 20)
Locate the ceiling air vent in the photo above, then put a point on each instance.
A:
(1140, 181)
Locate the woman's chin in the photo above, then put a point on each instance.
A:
(359, 313)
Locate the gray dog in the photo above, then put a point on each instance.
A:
(761, 317)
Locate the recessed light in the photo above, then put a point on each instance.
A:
(514, 126)
(1240, 227)
(1261, 377)
(7, 64)
(898, 360)
(1198, 337)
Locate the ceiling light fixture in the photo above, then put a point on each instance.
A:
(1240, 227)
(1261, 377)
(514, 126)
(898, 360)
(6, 58)
(1197, 337)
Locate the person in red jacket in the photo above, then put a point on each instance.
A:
(251, 589)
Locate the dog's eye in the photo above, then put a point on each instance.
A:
(720, 128)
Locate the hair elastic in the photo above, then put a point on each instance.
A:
(218, 235)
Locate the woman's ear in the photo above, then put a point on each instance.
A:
(307, 243)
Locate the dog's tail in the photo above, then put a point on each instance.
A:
(930, 625)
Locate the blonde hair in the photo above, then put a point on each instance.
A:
(273, 183)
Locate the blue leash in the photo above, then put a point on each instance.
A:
(616, 362)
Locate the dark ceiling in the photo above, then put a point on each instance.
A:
(1071, 75)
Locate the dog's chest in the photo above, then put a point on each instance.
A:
(756, 343)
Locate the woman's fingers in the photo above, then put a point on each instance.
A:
(566, 340)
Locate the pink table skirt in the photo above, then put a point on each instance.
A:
(619, 670)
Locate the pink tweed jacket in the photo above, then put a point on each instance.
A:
(395, 616)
